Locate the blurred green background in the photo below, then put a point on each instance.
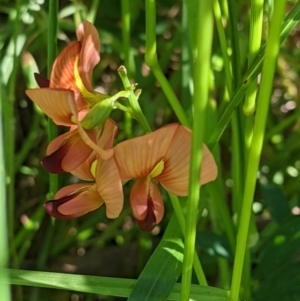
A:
(94, 245)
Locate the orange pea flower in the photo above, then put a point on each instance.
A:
(106, 186)
(71, 70)
(68, 151)
(162, 156)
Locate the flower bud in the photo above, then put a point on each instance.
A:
(98, 115)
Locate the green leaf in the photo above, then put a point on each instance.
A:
(118, 287)
(163, 268)
(280, 285)
(276, 202)
(282, 248)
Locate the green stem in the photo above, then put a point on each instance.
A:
(51, 52)
(200, 101)
(127, 58)
(268, 69)
(224, 46)
(133, 100)
(4, 287)
(180, 216)
(91, 16)
(152, 62)
(291, 20)
(52, 128)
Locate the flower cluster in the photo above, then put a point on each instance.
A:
(87, 150)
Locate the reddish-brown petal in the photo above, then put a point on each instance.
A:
(70, 154)
(63, 75)
(137, 157)
(82, 200)
(175, 176)
(54, 103)
(109, 186)
(41, 81)
(89, 55)
(146, 203)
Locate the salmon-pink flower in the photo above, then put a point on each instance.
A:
(71, 70)
(68, 151)
(106, 186)
(162, 156)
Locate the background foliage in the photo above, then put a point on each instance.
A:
(94, 245)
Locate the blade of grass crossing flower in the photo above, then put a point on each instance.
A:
(102, 285)
(251, 74)
(264, 95)
(200, 101)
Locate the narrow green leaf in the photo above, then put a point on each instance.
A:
(289, 23)
(163, 268)
(118, 287)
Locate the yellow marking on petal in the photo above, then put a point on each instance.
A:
(157, 170)
(94, 168)
(73, 119)
(85, 93)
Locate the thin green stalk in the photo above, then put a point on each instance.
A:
(235, 57)
(126, 53)
(4, 287)
(186, 65)
(91, 16)
(219, 204)
(264, 95)
(9, 138)
(200, 101)
(291, 20)
(52, 128)
(236, 123)
(152, 62)
(256, 19)
(256, 23)
(133, 100)
(276, 129)
(51, 55)
(180, 216)
(224, 46)
(29, 142)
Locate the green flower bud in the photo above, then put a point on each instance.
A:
(98, 115)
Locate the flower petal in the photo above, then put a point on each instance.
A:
(146, 203)
(70, 154)
(175, 176)
(63, 75)
(41, 81)
(82, 200)
(104, 154)
(109, 186)
(137, 157)
(89, 55)
(83, 171)
(54, 103)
